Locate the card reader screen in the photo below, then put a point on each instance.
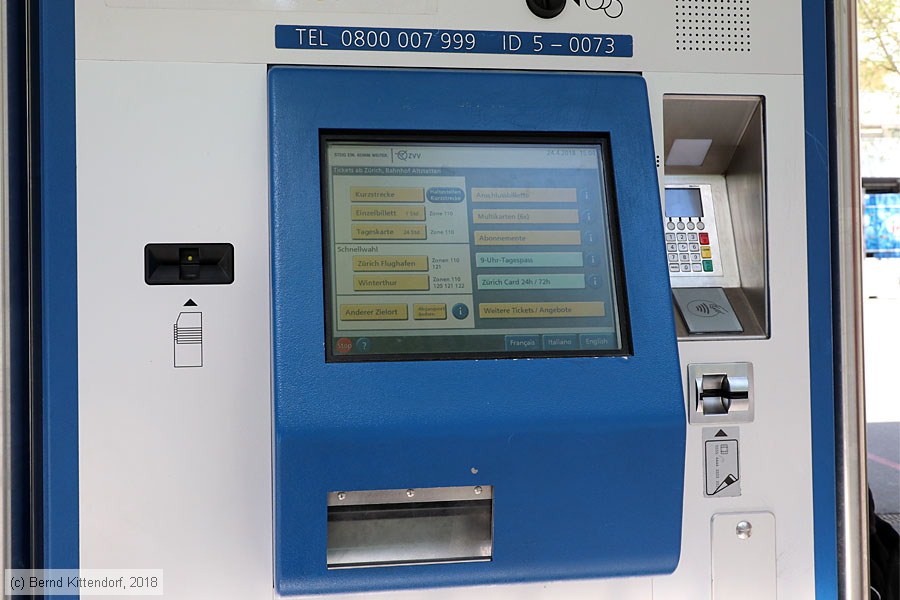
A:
(683, 202)
(452, 248)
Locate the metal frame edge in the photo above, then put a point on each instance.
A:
(852, 487)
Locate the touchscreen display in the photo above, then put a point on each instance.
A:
(454, 249)
(684, 202)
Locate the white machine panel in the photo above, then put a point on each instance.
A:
(175, 463)
(669, 35)
(744, 559)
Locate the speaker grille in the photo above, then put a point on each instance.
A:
(712, 25)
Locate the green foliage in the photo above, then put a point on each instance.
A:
(879, 45)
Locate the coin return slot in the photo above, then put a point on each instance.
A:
(409, 527)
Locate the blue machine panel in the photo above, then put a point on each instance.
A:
(585, 455)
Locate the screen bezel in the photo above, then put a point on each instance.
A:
(430, 138)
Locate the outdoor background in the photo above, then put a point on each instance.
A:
(879, 87)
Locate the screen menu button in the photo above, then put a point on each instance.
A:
(519, 343)
(597, 341)
(561, 342)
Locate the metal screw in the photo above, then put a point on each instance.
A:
(744, 529)
(410, 493)
(474, 471)
(477, 489)
(341, 495)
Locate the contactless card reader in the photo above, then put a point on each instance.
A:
(706, 310)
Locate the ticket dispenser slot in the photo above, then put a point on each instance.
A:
(714, 214)
(409, 527)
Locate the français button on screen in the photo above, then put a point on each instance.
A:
(523, 342)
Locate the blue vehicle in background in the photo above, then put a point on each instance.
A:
(882, 217)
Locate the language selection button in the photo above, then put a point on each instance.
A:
(598, 341)
(523, 342)
(561, 342)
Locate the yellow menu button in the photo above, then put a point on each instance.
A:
(388, 232)
(540, 310)
(387, 194)
(385, 212)
(390, 283)
(430, 312)
(374, 312)
(390, 263)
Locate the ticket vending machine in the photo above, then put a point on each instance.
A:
(524, 299)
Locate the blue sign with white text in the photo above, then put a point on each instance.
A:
(379, 39)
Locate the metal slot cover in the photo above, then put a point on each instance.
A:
(410, 526)
(720, 393)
